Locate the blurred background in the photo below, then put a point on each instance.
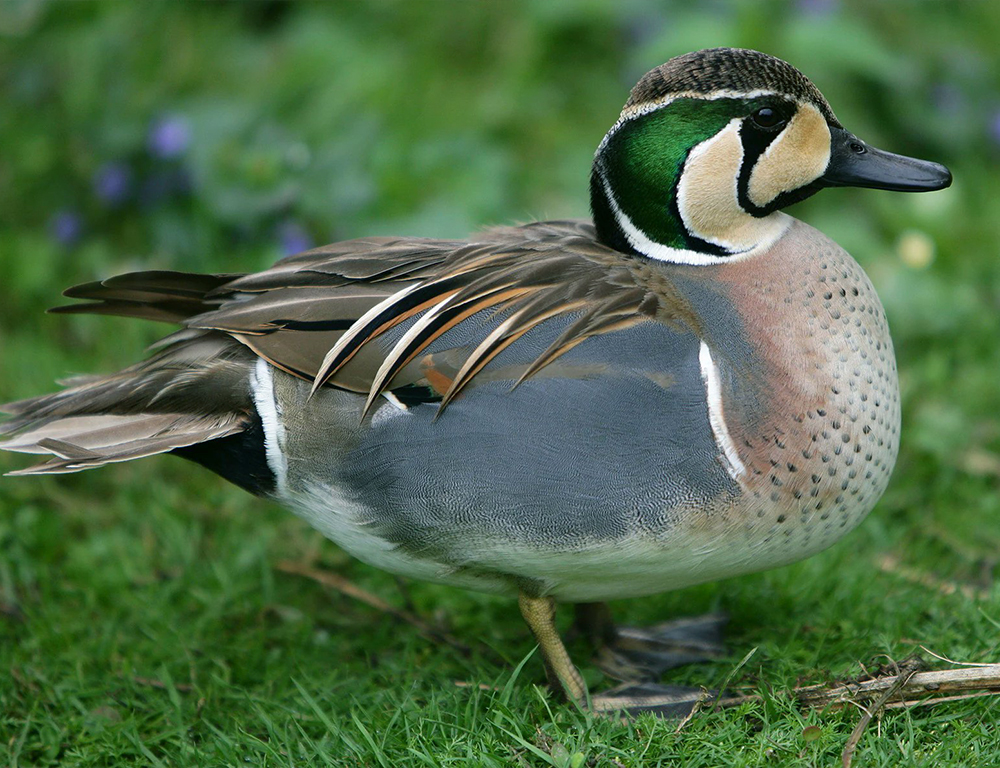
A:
(222, 136)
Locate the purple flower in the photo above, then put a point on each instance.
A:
(66, 227)
(817, 8)
(293, 237)
(113, 183)
(169, 137)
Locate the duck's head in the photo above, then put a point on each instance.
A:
(712, 144)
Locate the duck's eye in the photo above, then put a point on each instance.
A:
(766, 117)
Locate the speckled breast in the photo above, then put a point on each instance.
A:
(809, 392)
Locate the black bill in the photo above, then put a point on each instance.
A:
(856, 164)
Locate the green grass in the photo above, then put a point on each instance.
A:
(143, 618)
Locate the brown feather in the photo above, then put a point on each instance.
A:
(161, 311)
(315, 315)
(432, 326)
(569, 342)
(499, 339)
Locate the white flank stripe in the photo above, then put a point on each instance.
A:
(262, 389)
(716, 415)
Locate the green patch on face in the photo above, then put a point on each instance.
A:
(643, 161)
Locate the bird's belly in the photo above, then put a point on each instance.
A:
(732, 536)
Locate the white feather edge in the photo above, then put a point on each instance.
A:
(262, 390)
(717, 415)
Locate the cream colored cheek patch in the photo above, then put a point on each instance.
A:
(707, 190)
(797, 157)
(707, 195)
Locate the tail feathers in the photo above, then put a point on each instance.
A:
(191, 392)
(87, 432)
(84, 442)
(206, 374)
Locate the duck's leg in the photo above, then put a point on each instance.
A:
(637, 654)
(564, 677)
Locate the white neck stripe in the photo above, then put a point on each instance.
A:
(648, 247)
(642, 243)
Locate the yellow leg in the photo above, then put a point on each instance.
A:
(622, 701)
(540, 612)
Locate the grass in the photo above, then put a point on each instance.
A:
(143, 619)
(146, 623)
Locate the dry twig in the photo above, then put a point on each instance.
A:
(891, 564)
(154, 683)
(352, 590)
(920, 688)
(908, 670)
(480, 686)
(913, 688)
(698, 705)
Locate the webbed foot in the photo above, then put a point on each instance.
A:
(637, 654)
(634, 699)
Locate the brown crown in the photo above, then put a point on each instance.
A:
(733, 69)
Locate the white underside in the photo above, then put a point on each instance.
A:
(701, 547)
(608, 570)
(603, 570)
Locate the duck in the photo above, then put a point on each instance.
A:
(690, 386)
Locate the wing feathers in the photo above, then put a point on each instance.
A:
(436, 322)
(163, 296)
(316, 314)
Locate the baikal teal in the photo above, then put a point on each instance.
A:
(693, 386)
